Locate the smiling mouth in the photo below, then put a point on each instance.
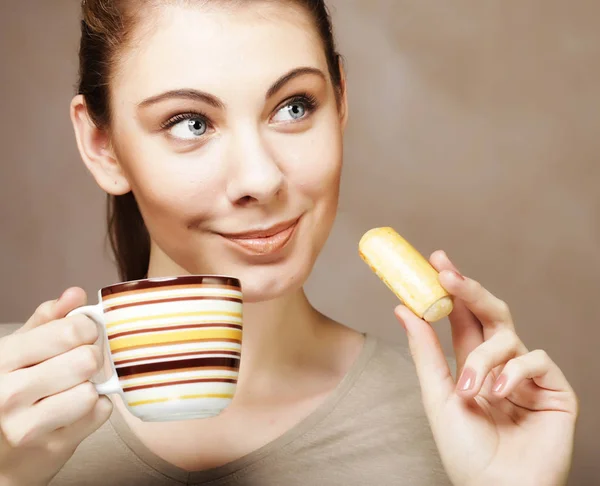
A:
(265, 242)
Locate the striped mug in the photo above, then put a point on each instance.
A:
(174, 344)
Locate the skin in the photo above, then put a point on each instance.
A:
(254, 168)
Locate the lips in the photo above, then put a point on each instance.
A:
(264, 242)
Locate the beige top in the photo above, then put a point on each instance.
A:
(371, 430)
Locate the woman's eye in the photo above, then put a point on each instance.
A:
(294, 110)
(189, 129)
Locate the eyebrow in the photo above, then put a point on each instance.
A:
(195, 95)
(189, 94)
(294, 73)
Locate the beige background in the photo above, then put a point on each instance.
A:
(474, 128)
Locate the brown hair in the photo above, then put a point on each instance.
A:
(106, 27)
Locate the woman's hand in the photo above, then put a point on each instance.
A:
(47, 404)
(510, 419)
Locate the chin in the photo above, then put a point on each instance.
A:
(264, 283)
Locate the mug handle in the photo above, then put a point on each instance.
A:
(95, 313)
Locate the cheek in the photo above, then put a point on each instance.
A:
(171, 188)
(316, 163)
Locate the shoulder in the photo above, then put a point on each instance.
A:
(386, 354)
(382, 419)
(394, 360)
(386, 396)
(388, 379)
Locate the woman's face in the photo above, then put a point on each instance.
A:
(226, 126)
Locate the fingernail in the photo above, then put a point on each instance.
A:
(467, 380)
(500, 384)
(458, 275)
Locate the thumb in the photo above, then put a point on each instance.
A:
(432, 368)
(56, 309)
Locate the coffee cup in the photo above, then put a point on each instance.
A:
(174, 344)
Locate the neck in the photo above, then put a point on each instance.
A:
(279, 334)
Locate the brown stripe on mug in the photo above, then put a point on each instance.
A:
(150, 330)
(183, 370)
(182, 382)
(109, 308)
(177, 365)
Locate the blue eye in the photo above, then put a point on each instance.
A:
(296, 109)
(187, 126)
(189, 129)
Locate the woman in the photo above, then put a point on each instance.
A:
(216, 128)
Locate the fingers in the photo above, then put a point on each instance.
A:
(55, 309)
(20, 350)
(538, 367)
(63, 409)
(492, 312)
(496, 351)
(45, 396)
(467, 332)
(430, 362)
(27, 386)
(79, 430)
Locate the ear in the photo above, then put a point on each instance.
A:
(343, 95)
(96, 150)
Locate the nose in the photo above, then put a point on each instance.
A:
(256, 177)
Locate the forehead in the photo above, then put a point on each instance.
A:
(220, 46)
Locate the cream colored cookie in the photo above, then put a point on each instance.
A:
(406, 273)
